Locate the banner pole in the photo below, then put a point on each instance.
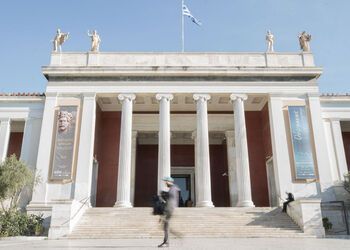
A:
(183, 27)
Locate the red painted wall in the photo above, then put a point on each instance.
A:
(256, 151)
(346, 141)
(15, 144)
(146, 175)
(107, 153)
(219, 184)
(181, 155)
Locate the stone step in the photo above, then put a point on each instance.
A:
(188, 222)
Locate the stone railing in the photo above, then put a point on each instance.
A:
(204, 59)
(307, 214)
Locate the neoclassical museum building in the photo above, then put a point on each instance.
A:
(232, 129)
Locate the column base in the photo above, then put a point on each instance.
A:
(205, 204)
(247, 203)
(125, 204)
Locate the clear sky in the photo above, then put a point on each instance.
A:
(27, 28)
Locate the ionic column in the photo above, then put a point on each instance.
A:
(242, 157)
(5, 130)
(124, 169)
(202, 152)
(164, 138)
(232, 170)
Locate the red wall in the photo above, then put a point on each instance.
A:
(346, 140)
(219, 184)
(256, 150)
(107, 154)
(181, 155)
(15, 144)
(146, 175)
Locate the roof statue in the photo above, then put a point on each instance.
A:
(59, 39)
(270, 41)
(95, 41)
(304, 41)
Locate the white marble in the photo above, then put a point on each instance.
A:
(339, 149)
(203, 187)
(281, 160)
(232, 167)
(124, 169)
(321, 150)
(44, 150)
(5, 130)
(83, 179)
(164, 139)
(242, 157)
(133, 166)
(307, 214)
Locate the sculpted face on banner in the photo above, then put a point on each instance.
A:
(64, 120)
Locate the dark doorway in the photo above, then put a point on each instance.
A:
(183, 181)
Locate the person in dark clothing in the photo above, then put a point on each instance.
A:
(171, 202)
(290, 198)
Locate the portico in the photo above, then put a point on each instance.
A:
(166, 124)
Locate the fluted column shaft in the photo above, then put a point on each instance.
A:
(242, 157)
(124, 170)
(164, 139)
(202, 152)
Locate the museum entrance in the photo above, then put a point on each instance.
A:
(184, 179)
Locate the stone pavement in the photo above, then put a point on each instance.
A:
(185, 243)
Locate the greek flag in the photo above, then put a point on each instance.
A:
(187, 12)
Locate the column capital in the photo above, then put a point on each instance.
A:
(202, 97)
(164, 96)
(242, 97)
(125, 96)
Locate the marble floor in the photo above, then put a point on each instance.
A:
(186, 243)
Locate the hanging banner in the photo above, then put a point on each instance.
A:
(62, 164)
(302, 150)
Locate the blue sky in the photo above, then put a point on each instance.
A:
(28, 27)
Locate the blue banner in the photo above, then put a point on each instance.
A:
(302, 150)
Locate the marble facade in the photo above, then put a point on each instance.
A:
(167, 93)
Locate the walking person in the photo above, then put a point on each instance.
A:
(171, 199)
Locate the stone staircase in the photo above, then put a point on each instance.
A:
(116, 223)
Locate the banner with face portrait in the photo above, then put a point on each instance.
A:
(63, 153)
(301, 143)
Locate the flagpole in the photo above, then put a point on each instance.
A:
(183, 27)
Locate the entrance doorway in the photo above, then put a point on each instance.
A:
(184, 179)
